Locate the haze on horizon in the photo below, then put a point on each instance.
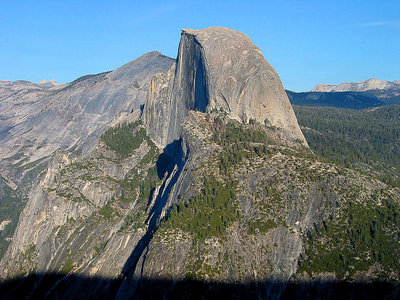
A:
(307, 43)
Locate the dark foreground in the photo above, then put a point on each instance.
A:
(59, 286)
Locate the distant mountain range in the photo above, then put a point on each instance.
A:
(23, 84)
(362, 86)
(355, 95)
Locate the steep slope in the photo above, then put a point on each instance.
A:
(37, 120)
(259, 208)
(62, 197)
(215, 184)
(245, 205)
(218, 68)
(80, 213)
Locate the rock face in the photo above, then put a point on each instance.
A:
(36, 120)
(50, 83)
(282, 200)
(73, 213)
(230, 194)
(94, 192)
(365, 85)
(63, 116)
(218, 68)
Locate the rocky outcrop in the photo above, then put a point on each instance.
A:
(232, 196)
(50, 83)
(79, 214)
(218, 68)
(365, 85)
(281, 197)
(35, 121)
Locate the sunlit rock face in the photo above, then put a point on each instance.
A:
(218, 68)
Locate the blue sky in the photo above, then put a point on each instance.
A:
(307, 42)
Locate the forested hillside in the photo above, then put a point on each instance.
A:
(349, 99)
(366, 140)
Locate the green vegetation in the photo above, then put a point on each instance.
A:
(269, 208)
(16, 156)
(144, 181)
(12, 201)
(11, 205)
(261, 226)
(28, 260)
(354, 240)
(122, 139)
(134, 222)
(235, 133)
(239, 142)
(107, 212)
(215, 208)
(200, 270)
(68, 265)
(139, 183)
(353, 100)
(30, 251)
(354, 138)
(100, 247)
(207, 214)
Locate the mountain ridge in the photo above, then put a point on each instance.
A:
(193, 169)
(361, 86)
(218, 68)
(124, 95)
(352, 100)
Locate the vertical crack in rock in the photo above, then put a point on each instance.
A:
(218, 68)
(171, 95)
(131, 271)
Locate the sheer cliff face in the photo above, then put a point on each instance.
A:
(218, 68)
(234, 202)
(173, 94)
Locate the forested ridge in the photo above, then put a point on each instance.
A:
(366, 140)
